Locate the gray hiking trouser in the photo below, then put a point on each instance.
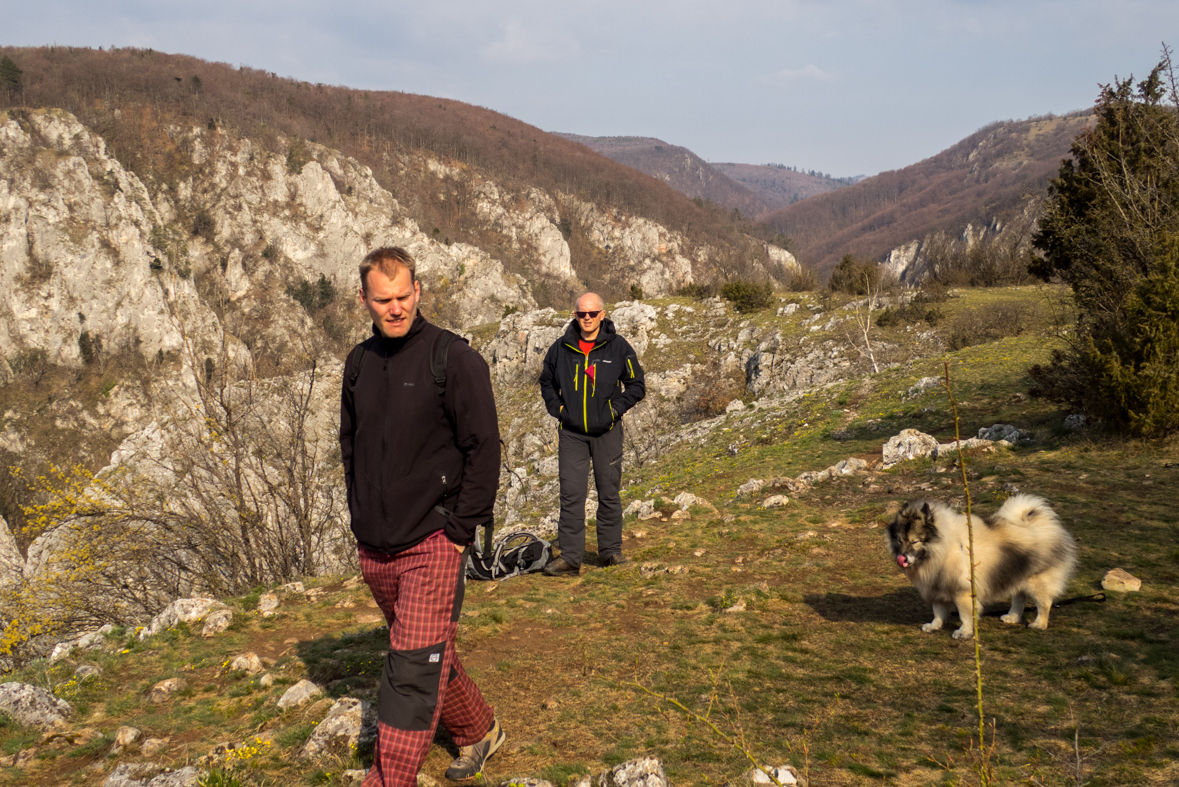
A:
(575, 452)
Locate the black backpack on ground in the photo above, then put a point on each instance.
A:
(521, 552)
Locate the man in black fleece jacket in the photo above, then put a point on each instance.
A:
(591, 377)
(421, 464)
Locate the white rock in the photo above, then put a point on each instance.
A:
(349, 723)
(1120, 580)
(211, 613)
(735, 406)
(125, 736)
(909, 444)
(738, 606)
(686, 500)
(248, 663)
(645, 772)
(752, 486)
(784, 774)
(300, 694)
(950, 449)
(166, 688)
(1006, 432)
(268, 604)
(775, 501)
(34, 707)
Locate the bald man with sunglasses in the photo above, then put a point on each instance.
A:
(591, 377)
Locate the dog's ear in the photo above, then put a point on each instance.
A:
(925, 512)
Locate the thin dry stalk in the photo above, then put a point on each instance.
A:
(736, 740)
(983, 759)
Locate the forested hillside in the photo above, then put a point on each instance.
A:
(779, 185)
(986, 175)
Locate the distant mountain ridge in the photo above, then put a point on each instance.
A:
(679, 168)
(987, 177)
(779, 185)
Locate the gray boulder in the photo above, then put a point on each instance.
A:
(300, 694)
(644, 772)
(909, 444)
(349, 723)
(34, 707)
(997, 432)
(782, 774)
(146, 774)
(213, 616)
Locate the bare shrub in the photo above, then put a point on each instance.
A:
(709, 393)
(805, 279)
(989, 324)
(239, 485)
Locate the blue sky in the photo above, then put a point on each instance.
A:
(847, 87)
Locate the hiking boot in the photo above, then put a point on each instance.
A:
(613, 560)
(560, 567)
(469, 763)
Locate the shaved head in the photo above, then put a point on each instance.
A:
(590, 301)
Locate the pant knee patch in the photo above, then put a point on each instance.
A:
(409, 687)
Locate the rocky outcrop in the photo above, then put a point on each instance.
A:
(77, 255)
(211, 614)
(33, 707)
(144, 774)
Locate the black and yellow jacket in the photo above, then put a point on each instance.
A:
(589, 393)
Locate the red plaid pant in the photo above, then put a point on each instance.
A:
(417, 590)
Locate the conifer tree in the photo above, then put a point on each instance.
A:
(9, 74)
(1111, 231)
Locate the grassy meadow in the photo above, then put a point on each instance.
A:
(790, 628)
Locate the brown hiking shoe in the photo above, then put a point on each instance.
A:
(613, 560)
(469, 763)
(560, 567)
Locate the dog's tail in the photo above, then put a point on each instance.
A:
(1025, 511)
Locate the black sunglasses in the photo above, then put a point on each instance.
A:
(585, 315)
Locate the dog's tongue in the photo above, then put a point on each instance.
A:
(902, 561)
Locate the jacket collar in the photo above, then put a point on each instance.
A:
(394, 345)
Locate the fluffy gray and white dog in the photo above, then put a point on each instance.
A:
(1021, 552)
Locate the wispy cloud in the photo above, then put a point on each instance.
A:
(788, 76)
(520, 44)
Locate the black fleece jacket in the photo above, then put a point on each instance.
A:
(590, 393)
(407, 449)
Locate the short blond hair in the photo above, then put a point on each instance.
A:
(387, 259)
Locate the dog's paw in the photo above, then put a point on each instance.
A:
(963, 634)
(1038, 624)
(1010, 618)
(928, 627)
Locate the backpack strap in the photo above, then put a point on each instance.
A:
(438, 357)
(357, 360)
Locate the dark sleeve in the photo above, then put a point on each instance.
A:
(632, 378)
(548, 382)
(347, 421)
(470, 401)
